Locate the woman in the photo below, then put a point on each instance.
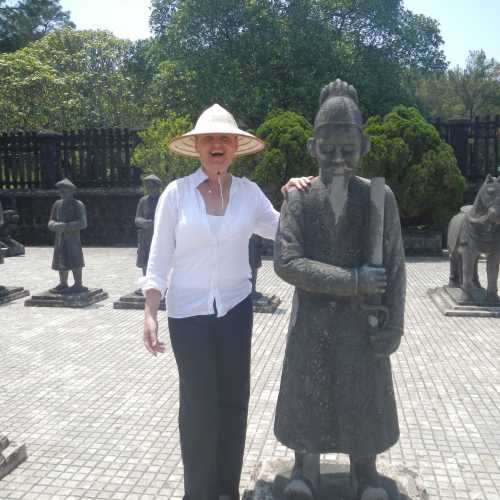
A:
(202, 226)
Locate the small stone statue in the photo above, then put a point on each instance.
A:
(336, 393)
(11, 219)
(67, 218)
(473, 232)
(144, 219)
(255, 258)
(2, 223)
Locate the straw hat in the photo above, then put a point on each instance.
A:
(216, 120)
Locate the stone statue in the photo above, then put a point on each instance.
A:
(473, 232)
(2, 223)
(67, 218)
(255, 260)
(11, 219)
(144, 219)
(336, 393)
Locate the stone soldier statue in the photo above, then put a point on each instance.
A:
(336, 393)
(2, 222)
(255, 261)
(144, 220)
(67, 218)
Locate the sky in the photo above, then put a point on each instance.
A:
(465, 24)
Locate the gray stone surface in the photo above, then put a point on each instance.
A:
(11, 455)
(11, 293)
(133, 301)
(73, 300)
(98, 413)
(271, 477)
(454, 302)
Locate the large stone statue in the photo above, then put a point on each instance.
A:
(473, 232)
(67, 218)
(144, 219)
(336, 393)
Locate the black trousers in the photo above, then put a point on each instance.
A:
(213, 359)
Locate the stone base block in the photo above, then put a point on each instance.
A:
(134, 301)
(76, 300)
(265, 304)
(271, 477)
(11, 455)
(8, 294)
(453, 301)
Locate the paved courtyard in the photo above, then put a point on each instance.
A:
(98, 414)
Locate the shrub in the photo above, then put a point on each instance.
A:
(285, 134)
(418, 165)
(152, 155)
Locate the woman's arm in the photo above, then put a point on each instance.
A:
(154, 284)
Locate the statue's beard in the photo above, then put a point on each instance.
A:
(338, 190)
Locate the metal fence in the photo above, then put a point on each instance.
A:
(475, 143)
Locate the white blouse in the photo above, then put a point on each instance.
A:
(201, 265)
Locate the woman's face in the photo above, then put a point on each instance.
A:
(216, 151)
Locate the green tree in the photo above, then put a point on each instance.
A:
(152, 155)
(256, 55)
(477, 86)
(285, 155)
(29, 20)
(418, 165)
(69, 79)
(460, 92)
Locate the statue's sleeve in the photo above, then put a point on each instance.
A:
(81, 223)
(291, 265)
(52, 218)
(394, 263)
(140, 217)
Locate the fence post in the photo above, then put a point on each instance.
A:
(50, 157)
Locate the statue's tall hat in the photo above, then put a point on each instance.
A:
(338, 103)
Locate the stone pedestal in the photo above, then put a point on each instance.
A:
(8, 294)
(265, 304)
(452, 301)
(11, 455)
(134, 301)
(271, 477)
(76, 300)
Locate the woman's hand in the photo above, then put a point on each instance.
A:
(151, 336)
(297, 182)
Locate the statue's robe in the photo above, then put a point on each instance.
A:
(145, 213)
(68, 253)
(336, 395)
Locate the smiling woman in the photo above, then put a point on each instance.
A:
(203, 224)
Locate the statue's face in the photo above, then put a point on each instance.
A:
(66, 193)
(152, 188)
(338, 148)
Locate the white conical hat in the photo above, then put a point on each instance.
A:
(216, 120)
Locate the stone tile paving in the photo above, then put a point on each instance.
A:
(99, 414)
